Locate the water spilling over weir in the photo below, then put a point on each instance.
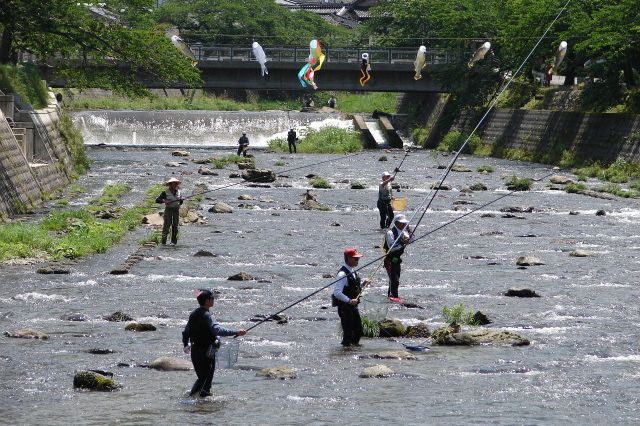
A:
(197, 128)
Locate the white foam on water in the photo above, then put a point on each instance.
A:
(542, 330)
(266, 342)
(181, 278)
(298, 289)
(35, 297)
(619, 358)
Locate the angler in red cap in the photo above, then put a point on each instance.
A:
(345, 297)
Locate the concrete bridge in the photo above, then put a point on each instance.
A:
(235, 67)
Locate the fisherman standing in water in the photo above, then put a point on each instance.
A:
(243, 144)
(345, 297)
(172, 200)
(384, 200)
(291, 139)
(396, 240)
(203, 332)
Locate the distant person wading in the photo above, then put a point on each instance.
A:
(384, 200)
(291, 139)
(243, 144)
(172, 200)
(345, 297)
(395, 242)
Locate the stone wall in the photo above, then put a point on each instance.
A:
(34, 165)
(546, 134)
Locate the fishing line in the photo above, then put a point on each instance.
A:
(382, 257)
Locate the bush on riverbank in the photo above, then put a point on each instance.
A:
(72, 138)
(25, 81)
(453, 140)
(73, 233)
(328, 140)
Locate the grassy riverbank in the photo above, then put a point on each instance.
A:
(76, 233)
(328, 140)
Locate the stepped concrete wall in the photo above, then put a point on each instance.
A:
(602, 137)
(34, 161)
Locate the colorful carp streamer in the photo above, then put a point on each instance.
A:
(260, 56)
(480, 53)
(314, 63)
(420, 62)
(365, 70)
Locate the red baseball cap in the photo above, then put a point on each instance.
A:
(352, 252)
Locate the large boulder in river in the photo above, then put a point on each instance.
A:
(281, 372)
(481, 336)
(26, 333)
(221, 207)
(119, 317)
(94, 381)
(314, 205)
(165, 363)
(420, 330)
(560, 180)
(241, 276)
(528, 261)
(391, 327)
(376, 371)
(139, 327)
(259, 175)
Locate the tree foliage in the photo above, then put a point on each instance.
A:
(242, 21)
(107, 45)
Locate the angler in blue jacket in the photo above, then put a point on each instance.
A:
(202, 330)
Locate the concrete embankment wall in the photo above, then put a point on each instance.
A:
(34, 161)
(602, 137)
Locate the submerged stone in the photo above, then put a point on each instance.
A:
(376, 371)
(94, 381)
(580, 253)
(281, 372)
(26, 333)
(399, 354)
(140, 327)
(482, 336)
(528, 261)
(521, 292)
(165, 363)
(241, 276)
(118, 317)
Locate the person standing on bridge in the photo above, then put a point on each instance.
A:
(384, 200)
(292, 138)
(243, 144)
(365, 70)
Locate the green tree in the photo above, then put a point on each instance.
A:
(106, 47)
(242, 21)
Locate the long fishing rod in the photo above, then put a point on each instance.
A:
(383, 256)
(491, 106)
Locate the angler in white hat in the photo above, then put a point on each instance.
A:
(172, 199)
(384, 200)
(397, 239)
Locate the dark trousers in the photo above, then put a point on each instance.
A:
(171, 221)
(351, 324)
(204, 367)
(292, 144)
(386, 213)
(393, 270)
(242, 149)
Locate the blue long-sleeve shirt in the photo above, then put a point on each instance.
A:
(202, 329)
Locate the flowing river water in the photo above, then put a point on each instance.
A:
(580, 368)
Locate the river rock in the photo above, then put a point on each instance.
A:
(358, 185)
(601, 213)
(139, 327)
(560, 180)
(376, 371)
(165, 363)
(487, 215)
(399, 354)
(74, 317)
(245, 197)
(234, 175)
(528, 261)
(242, 276)
(154, 219)
(27, 333)
(580, 253)
(516, 209)
(118, 317)
(420, 330)
(314, 205)
(481, 319)
(482, 336)
(521, 292)
(205, 171)
(259, 175)
(221, 207)
(443, 187)
(391, 327)
(172, 164)
(203, 253)
(100, 351)
(281, 372)
(180, 153)
(94, 381)
(382, 158)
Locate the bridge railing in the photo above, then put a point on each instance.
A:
(335, 55)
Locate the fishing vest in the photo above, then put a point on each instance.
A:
(170, 196)
(399, 243)
(201, 334)
(353, 287)
(384, 192)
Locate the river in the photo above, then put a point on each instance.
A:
(580, 368)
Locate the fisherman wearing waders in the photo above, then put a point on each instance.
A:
(394, 247)
(384, 200)
(291, 139)
(345, 297)
(172, 200)
(243, 144)
(203, 332)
